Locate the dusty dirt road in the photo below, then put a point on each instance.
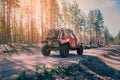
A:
(101, 61)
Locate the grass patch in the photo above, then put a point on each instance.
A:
(59, 72)
(45, 75)
(1, 77)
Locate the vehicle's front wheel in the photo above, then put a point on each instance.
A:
(64, 51)
(45, 50)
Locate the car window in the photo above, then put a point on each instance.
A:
(71, 35)
(61, 35)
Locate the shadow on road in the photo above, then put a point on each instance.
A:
(9, 68)
(99, 67)
(93, 64)
(111, 52)
(57, 55)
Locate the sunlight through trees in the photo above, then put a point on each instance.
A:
(28, 21)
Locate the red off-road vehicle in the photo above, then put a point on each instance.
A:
(62, 40)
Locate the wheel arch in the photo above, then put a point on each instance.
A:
(67, 43)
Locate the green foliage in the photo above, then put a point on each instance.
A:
(45, 75)
(60, 71)
(99, 20)
(96, 26)
(108, 37)
(111, 38)
(79, 66)
(91, 17)
(48, 75)
(23, 76)
(117, 38)
(118, 35)
(95, 18)
(37, 69)
(63, 71)
(1, 77)
(69, 14)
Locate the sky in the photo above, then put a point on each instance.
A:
(109, 8)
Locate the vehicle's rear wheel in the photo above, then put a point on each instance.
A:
(45, 50)
(80, 51)
(64, 51)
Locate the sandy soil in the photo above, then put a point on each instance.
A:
(100, 61)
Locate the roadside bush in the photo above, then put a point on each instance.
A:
(1, 77)
(23, 76)
(72, 72)
(45, 75)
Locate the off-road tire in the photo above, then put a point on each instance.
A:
(64, 51)
(80, 52)
(45, 50)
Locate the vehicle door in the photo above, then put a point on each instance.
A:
(73, 40)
